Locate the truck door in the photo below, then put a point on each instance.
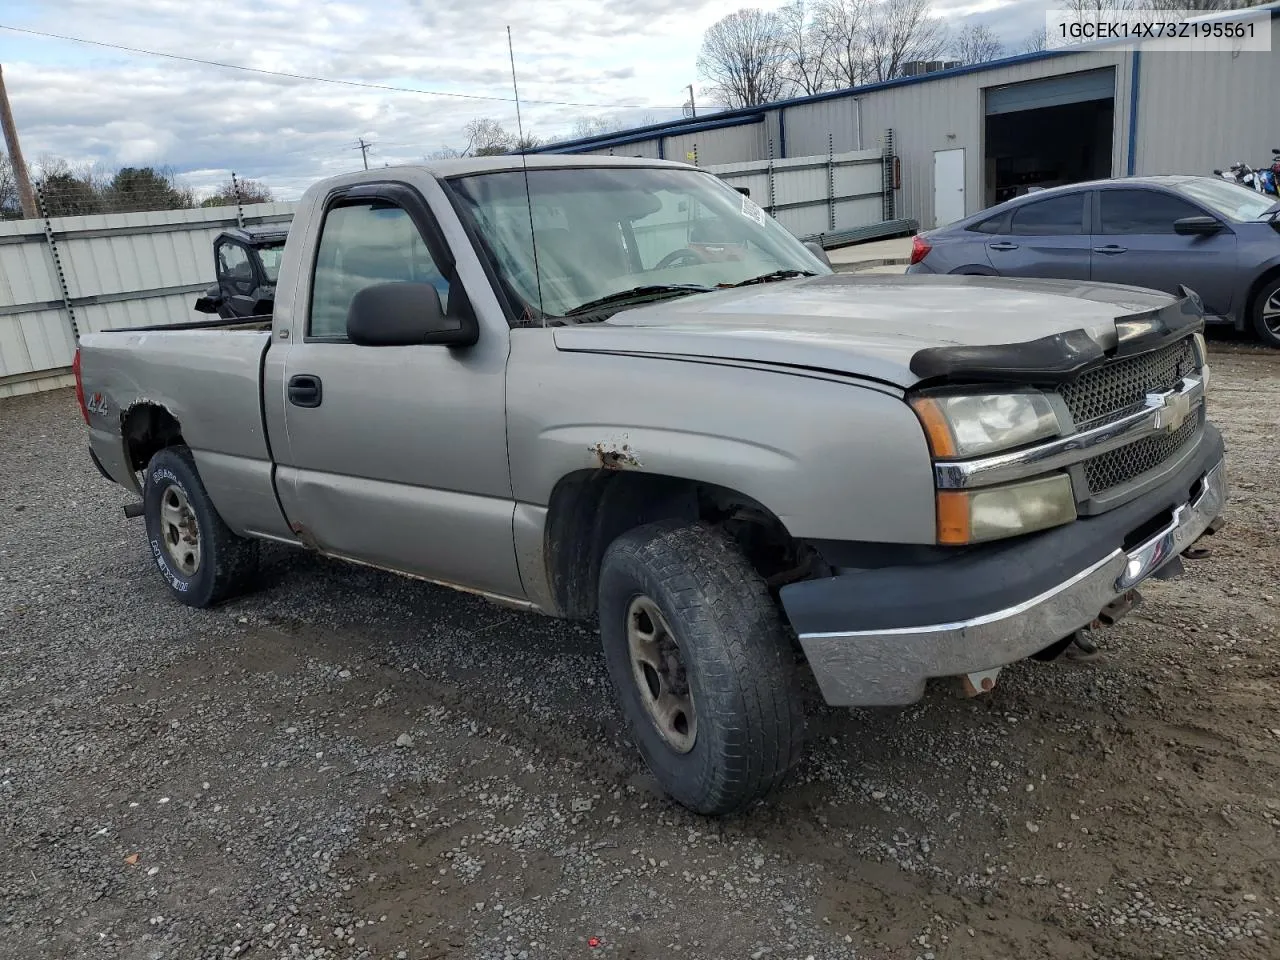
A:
(396, 455)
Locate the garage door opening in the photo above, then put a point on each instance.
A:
(1046, 133)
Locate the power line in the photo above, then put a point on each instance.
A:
(313, 79)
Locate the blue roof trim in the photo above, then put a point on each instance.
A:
(643, 133)
(729, 118)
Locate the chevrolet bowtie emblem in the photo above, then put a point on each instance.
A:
(1171, 408)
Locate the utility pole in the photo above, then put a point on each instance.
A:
(26, 196)
(364, 151)
(693, 109)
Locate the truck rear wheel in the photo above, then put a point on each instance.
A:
(200, 559)
(701, 663)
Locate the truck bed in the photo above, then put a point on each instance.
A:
(204, 375)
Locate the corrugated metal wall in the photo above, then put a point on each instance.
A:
(121, 270)
(942, 114)
(1199, 111)
(726, 145)
(643, 148)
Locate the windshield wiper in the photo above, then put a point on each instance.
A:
(648, 291)
(769, 277)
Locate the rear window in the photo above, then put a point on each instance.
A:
(1056, 216)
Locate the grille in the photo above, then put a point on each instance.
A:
(1115, 467)
(1114, 389)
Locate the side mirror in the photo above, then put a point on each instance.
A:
(405, 314)
(206, 305)
(1196, 226)
(745, 191)
(818, 251)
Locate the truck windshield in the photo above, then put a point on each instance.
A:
(602, 231)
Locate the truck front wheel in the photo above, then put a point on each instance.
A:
(701, 663)
(200, 559)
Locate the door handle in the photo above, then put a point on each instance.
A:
(305, 390)
(1110, 249)
(1002, 245)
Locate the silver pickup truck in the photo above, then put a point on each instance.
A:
(616, 388)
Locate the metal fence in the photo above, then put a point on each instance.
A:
(814, 196)
(64, 276)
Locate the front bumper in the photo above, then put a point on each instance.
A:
(889, 665)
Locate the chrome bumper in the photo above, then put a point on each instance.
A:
(890, 667)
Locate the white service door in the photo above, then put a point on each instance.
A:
(948, 186)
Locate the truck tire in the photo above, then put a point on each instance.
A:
(200, 559)
(701, 663)
(1266, 313)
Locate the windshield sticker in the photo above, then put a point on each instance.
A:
(751, 209)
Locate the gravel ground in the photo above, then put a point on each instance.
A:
(349, 764)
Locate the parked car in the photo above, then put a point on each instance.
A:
(694, 432)
(1216, 238)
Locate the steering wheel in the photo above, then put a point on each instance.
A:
(684, 257)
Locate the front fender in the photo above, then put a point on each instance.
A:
(832, 458)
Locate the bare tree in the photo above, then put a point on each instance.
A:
(10, 208)
(842, 25)
(486, 138)
(1091, 11)
(805, 47)
(446, 152)
(530, 141)
(232, 192)
(588, 126)
(1034, 42)
(742, 59)
(1208, 6)
(900, 31)
(976, 43)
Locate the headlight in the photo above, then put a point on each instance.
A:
(971, 516)
(970, 424)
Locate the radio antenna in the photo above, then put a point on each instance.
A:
(524, 163)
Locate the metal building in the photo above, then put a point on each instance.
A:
(968, 137)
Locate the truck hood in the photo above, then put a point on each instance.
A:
(862, 326)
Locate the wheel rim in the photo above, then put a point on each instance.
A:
(658, 668)
(1271, 314)
(179, 530)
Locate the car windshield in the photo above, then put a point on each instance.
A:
(1228, 199)
(602, 232)
(270, 256)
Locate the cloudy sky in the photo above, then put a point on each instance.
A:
(624, 58)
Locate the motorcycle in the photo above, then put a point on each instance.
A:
(1241, 173)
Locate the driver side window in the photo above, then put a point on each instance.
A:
(363, 244)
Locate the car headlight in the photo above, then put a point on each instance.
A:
(971, 424)
(990, 513)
